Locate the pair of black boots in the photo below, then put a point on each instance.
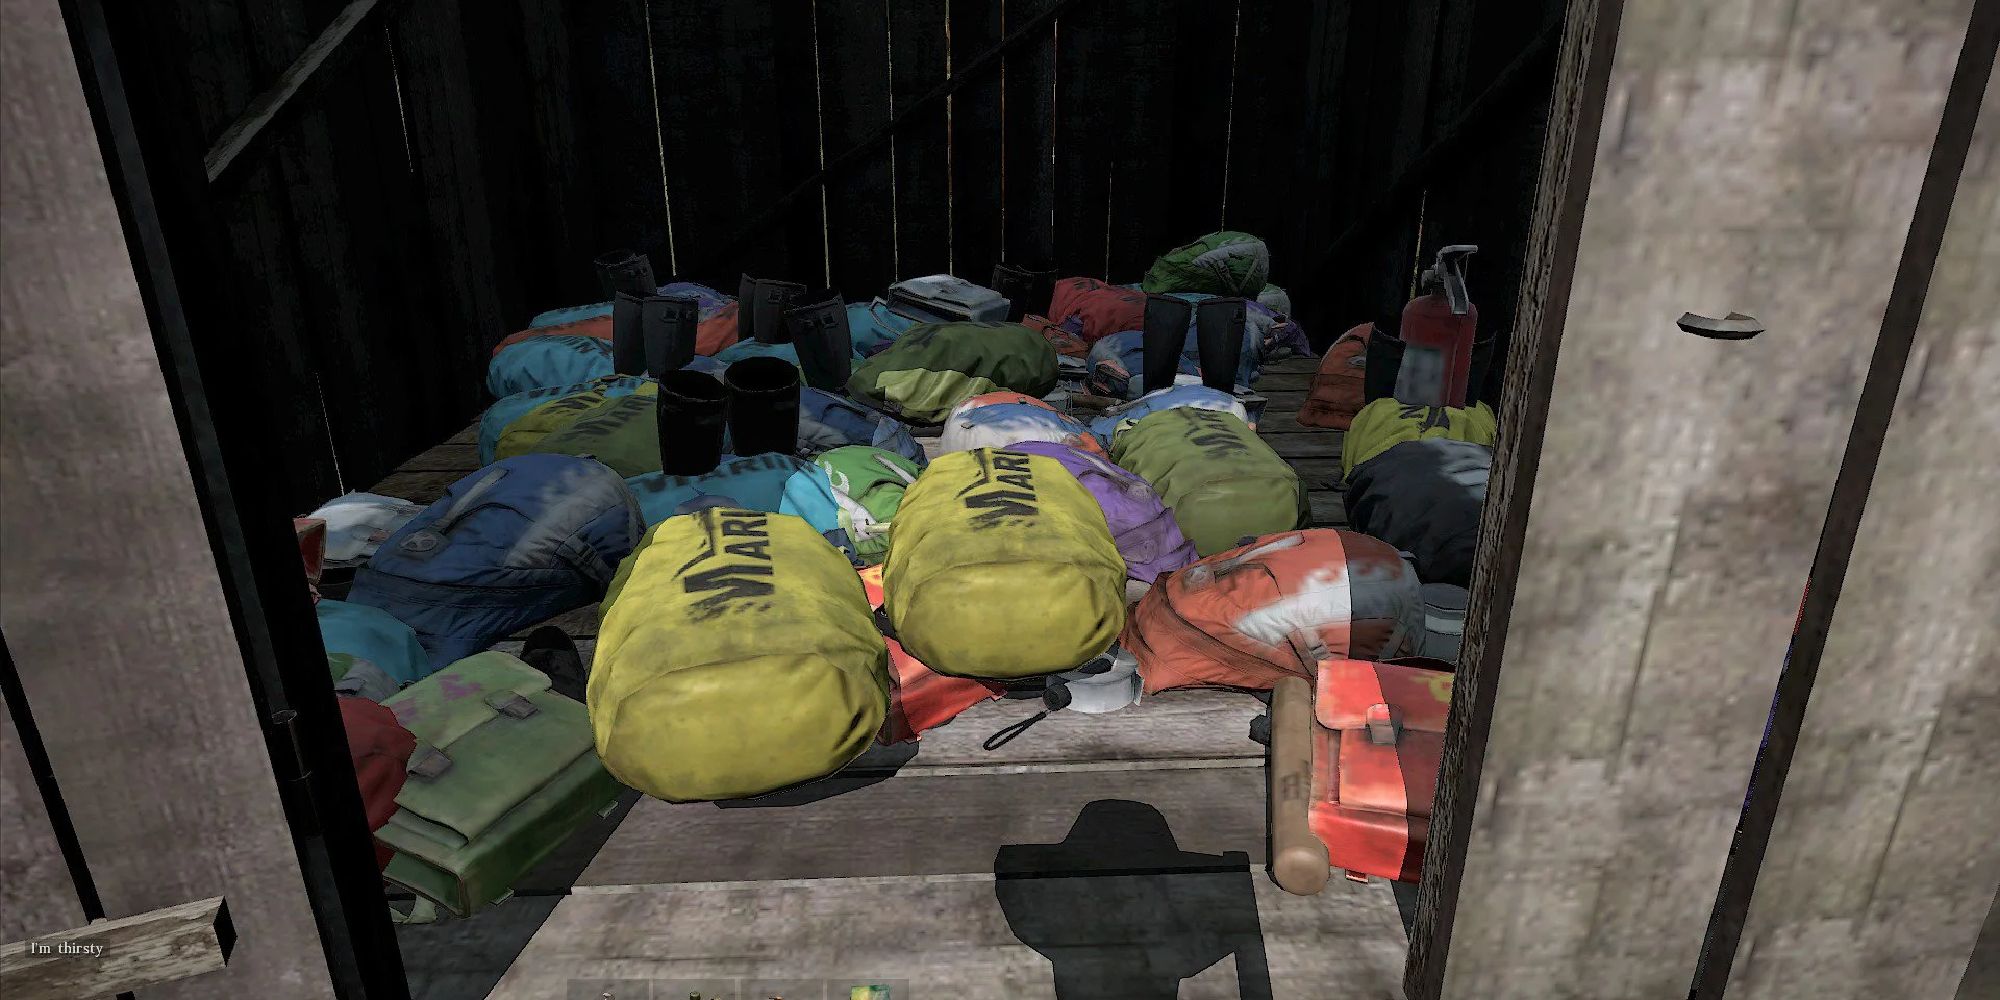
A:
(813, 322)
(756, 402)
(1218, 337)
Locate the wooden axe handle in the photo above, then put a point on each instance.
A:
(1298, 857)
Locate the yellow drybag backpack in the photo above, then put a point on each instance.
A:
(738, 655)
(1001, 566)
(1386, 423)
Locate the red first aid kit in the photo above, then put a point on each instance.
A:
(920, 699)
(1378, 735)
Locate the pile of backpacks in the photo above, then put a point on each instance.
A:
(815, 526)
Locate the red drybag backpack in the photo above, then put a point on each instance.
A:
(381, 749)
(920, 699)
(1339, 388)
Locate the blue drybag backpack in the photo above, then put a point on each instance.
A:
(551, 360)
(514, 544)
(827, 421)
(774, 484)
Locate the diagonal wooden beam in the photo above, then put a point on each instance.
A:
(109, 957)
(255, 125)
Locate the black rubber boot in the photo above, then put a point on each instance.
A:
(1027, 292)
(692, 410)
(818, 329)
(1165, 337)
(670, 324)
(1218, 339)
(625, 271)
(769, 301)
(628, 333)
(763, 406)
(746, 318)
(551, 651)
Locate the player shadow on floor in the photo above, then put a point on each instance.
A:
(879, 763)
(1123, 913)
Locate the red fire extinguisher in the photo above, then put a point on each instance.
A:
(1438, 330)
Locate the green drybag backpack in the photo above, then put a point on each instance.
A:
(936, 366)
(503, 773)
(868, 483)
(1002, 566)
(738, 655)
(1224, 263)
(622, 432)
(1222, 482)
(525, 434)
(1386, 423)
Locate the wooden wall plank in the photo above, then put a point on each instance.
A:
(614, 54)
(441, 106)
(360, 313)
(1030, 138)
(719, 98)
(1487, 199)
(977, 154)
(1269, 115)
(1113, 122)
(1678, 484)
(108, 575)
(1202, 68)
(1324, 162)
(1399, 124)
(795, 78)
(1876, 879)
(860, 203)
(918, 49)
(273, 361)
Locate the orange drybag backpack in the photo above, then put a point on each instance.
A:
(1249, 616)
(1339, 388)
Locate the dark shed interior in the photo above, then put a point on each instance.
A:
(380, 190)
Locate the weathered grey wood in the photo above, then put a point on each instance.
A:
(470, 435)
(1328, 510)
(1176, 725)
(1284, 381)
(108, 575)
(259, 120)
(1678, 484)
(1982, 974)
(1883, 858)
(37, 895)
(925, 825)
(953, 938)
(1325, 444)
(110, 957)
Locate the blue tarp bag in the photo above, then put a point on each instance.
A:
(502, 414)
(872, 327)
(755, 349)
(1199, 397)
(710, 300)
(512, 545)
(375, 636)
(827, 421)
(773, 484)
(541, 362)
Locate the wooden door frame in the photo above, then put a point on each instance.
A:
(157, 188)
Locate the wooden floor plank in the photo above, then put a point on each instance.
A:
(949, 824)
(1227, 934)
(417, 487)
(461, 457)
(1177, 725)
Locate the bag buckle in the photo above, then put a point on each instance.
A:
(511, 705)
(1382, 725)
(428, 763)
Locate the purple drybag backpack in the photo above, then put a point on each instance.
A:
(1140, 523)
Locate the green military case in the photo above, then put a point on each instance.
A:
(504, 771)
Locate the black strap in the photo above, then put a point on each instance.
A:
(1006, 734)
